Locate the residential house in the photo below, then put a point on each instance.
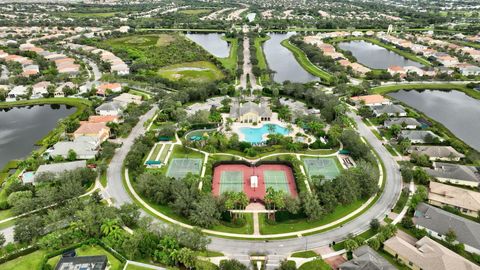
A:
(466, 201)
(426, 254)
(365, 258)
(419, 136)
(389, 110)
(404, 122)
(99, 131)
(57, 168)
(468, 69)
(103, 119)
(83, 263)
(126, 98)
(17, 92)
(371, 100)
(85, 148)
(59, 91)
(434, 152)
(393, 70)
(438, 222)
(40, 89)
(104, 88)
(455, 174)
(110, 108)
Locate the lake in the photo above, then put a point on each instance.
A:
(212, 43)
(282, 61)
(22, 127)
(457, 111)
(374, 56)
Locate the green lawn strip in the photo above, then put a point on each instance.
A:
(365, 235)
(402, 201)
(156, 150)
(28, 262)
(390, 150)
(467, 43)
(7, 224)
(304, 254)
(210, 253)
(303, 224)
(389, 47)
(377, 134)
(103, 179)
(144, 95)
(79, 15)
(182, 30)
(199, 71)
(262, 62)
(4, 214)
(303, 60)
(317, 264)
(230, 62)
(194, 11)
(424, 86)
(164, 153)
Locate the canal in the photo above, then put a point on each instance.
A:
(22, 127)
(374, 56)
(282, 62)
(457, 111)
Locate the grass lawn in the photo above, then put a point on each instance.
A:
(262, 62)
(194, 11)
(200, 71)
(230, 62)
(4, 214)
(365, 235)
(303, 60)
(390, 150)
(79, 15)
(422, 86)
(27, 262)
(315, 265)
(305, 254)
(136, 267)
(303, 224)
(144, 41)
(88, 250)
(402, 201)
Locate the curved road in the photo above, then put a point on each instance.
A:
(240, 248)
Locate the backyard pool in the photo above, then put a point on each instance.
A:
(256, 135)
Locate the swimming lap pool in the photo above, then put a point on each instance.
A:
(255, 135)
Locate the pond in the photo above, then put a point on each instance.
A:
(251, 16)
(455, 110)
(374, 56)
(282, 61)
(22, 127)
(212, 43)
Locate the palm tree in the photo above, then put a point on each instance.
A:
(109, 226)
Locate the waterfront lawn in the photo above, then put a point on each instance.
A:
(230, 62)
(201, 71)
(262, 62)
(303, 60)
(301, 223)
(27, 262)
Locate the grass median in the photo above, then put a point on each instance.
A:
(426, 86)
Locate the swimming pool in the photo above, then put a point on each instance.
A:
(28, 177)
(256, 135)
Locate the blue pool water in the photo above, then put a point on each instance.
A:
(27, 177)
(254, 135)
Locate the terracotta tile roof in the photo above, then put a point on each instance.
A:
(370, 99)
(102, 119)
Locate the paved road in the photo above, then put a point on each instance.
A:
(4, 73)
(115, 186)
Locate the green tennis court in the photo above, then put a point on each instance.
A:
(277, 180)
(231, 181)
(180, 167)
(322, 166)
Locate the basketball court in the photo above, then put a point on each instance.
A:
(322, 166)
(180, 167)
(254, 181)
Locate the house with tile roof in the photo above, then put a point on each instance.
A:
(250, 112)
(365, 258)
(464, 200)
(437, 222)
(437, 152)
(371, 100)
(426, 254)
(100, 131)
(455, 174)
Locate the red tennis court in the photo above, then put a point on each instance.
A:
(239, 177)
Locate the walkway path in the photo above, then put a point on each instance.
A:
(247, 65)
(256, 224)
